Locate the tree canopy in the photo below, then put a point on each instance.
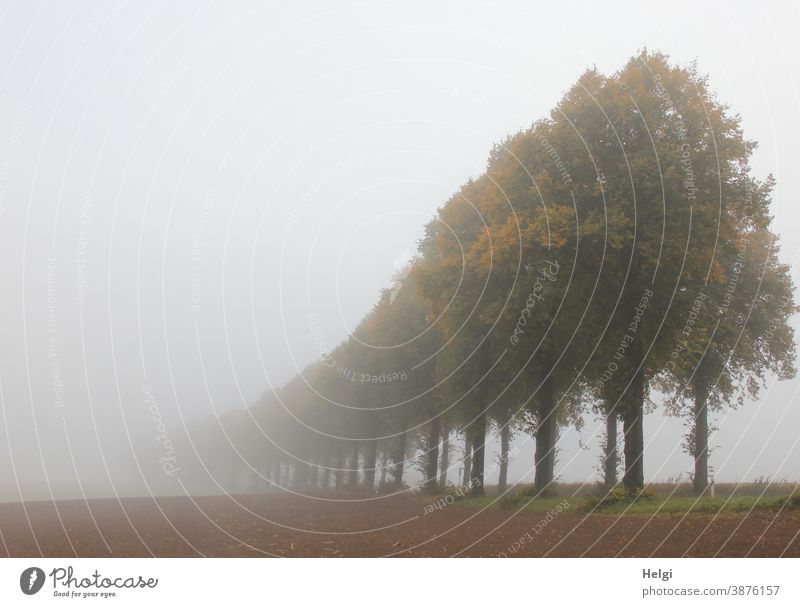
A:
(613, 257)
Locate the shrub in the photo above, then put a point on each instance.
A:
(616, 496)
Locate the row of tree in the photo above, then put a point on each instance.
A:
(613, 256)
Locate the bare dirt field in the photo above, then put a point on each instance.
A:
(288, 525)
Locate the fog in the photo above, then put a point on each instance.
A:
(186, 189)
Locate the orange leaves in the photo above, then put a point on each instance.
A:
(553, 227)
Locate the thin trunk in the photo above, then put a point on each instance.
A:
(316, 474)
(546, 437)
(700, 433)
(633, 425)
(432, 456)
(384, 465)
(633, 412)
(445, 459)
(266, 476)
(352, 472)
(505, 440)
(341, 464)
(370, 463)
(478, 455)
(610, 458)
(326, 474)
(399, 460)
(300, 476)
(467, 459)
(313, 475)
(275, 475)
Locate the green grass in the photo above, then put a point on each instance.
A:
(646, 505)
(541, 504)
(684, 505)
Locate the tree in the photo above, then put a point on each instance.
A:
(651, 149)
(616, 250)
(737, 334)
(453, 295)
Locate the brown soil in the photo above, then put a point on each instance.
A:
(288, 525)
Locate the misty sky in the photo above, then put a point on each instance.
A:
(186, 188)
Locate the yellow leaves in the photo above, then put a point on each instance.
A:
(610, 227)
(718, 274)
(499, 247)
(553, 227)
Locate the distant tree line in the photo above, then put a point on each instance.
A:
(614, 257)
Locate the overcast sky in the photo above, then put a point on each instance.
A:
(186, 186)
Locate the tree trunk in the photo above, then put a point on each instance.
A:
(445, 459)
(313, 474)
(467, 459)
(275, 475)
(610, 459)
(352, 472)
(370, 463)
(700, 433)
(326, 474)
(341, 464)
(546, 436)
(478, 455)
(432, 456)
(505, 440)
(633, 425)
(399, 460)
(319, 464)
(633, 412)
(300, 476)
(384, 465)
